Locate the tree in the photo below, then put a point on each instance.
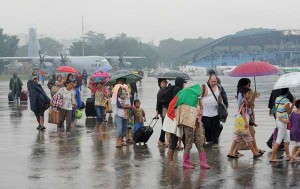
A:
(8, 46)
(51, 46)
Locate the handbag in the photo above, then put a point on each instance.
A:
(57, 100)
(239, 124)
(222, 110)
(53, 116)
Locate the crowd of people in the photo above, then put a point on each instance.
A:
(188, 114)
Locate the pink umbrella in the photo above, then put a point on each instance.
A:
(101, 75)
(67, 69)
(253, 69)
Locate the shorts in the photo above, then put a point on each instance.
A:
(137, 126)
(121, 124)
(295, 144)
(247, 138)
(39, 113)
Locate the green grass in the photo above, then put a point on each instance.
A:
(22, 77)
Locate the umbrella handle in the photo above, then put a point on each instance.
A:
(254, 84)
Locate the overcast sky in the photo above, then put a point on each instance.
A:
(148, 19)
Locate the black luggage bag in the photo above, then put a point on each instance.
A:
(10, 97)
(144, 133)
(90, 107)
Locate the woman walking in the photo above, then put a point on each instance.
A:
(100, 101)
(282, 109)
(39, 101)
(65, 111)
(188, 116)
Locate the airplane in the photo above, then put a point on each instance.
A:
(87, 63)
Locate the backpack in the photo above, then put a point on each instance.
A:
(167, 95)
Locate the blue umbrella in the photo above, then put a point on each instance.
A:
(103, 69)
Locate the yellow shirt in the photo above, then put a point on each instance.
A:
(100, 98)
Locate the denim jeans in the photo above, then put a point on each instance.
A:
(121, 124)
(100, 113)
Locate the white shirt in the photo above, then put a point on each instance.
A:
(210, 105)
(120, 111)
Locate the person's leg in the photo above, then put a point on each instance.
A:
(62, 116)
(68, 120)
(207, 126)
(287, 145)
(42, 120)
(37, 117)
(124, 129)
(236, 140)
(189, 139)
(172, 147)
(118, 122)
(162, 134)
(98, 112)
(252, 132)
(215, 122)
(198, 141)
(280, 136)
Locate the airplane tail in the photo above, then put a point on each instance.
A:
(33, 44)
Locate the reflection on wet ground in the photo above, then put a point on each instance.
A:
(32, 159)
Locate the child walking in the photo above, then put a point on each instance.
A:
(139, 115)
(246, 92)
(295, 132)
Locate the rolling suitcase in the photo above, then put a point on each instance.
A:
(90, 107)
(10, 97)
(144, 133)
(24, 96)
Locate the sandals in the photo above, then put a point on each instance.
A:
(257, 156)
(261, 151)
(238, 154)
(232, 157)
(119, 146)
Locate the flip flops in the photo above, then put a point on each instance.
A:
(232, 157)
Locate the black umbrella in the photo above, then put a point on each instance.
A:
(173, 74)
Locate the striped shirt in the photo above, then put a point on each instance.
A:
(280, 103)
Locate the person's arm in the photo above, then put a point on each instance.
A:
(289, 108)
(144, 115)
(224, 96)
(283, 120)
(244, 114)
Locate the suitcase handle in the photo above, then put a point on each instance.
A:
(155, 118)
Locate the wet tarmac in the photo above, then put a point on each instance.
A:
(33, 159)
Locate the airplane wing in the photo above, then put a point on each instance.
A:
(124, 57)
(27, 58)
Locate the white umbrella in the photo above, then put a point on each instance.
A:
(288, 81)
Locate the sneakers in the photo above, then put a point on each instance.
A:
(216, 146)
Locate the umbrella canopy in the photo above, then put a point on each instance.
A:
(252, 69)
(130, 78)
(101, 76)
(121, 72)
(103, 69)
(288, 81)
(67, 69)
(173, 74)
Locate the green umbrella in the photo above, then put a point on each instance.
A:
(129, 78)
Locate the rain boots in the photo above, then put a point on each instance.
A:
(202, 157)
(186, 161)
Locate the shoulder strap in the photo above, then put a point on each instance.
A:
(278, 104)
(203, 92)
(212, 92)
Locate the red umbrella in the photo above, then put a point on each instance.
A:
(67, 69)
(253, 69)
